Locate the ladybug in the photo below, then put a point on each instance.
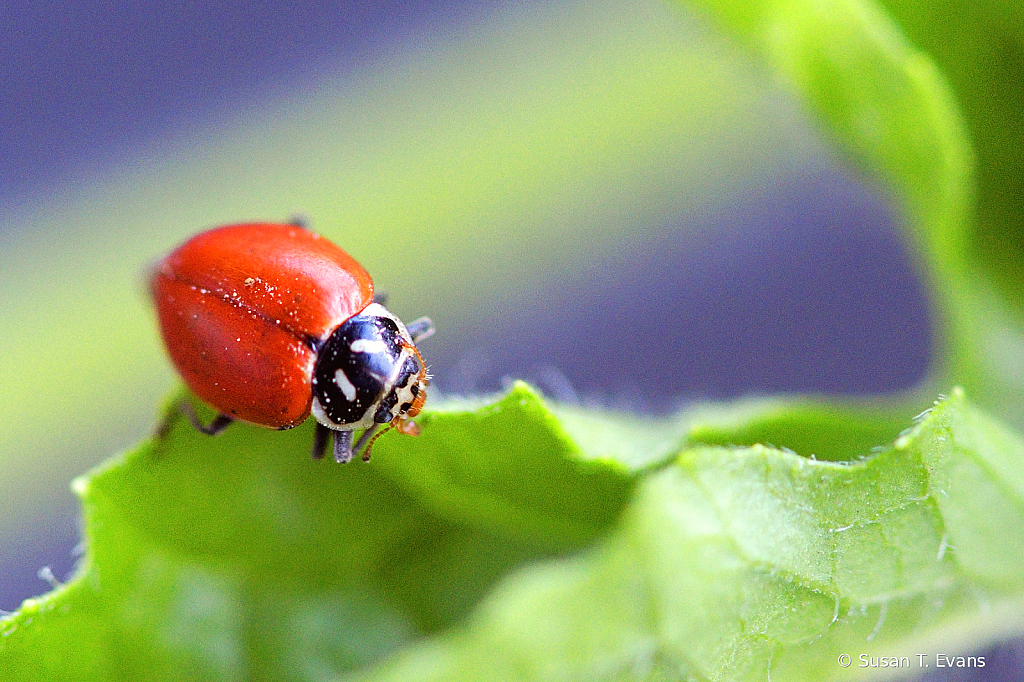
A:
(269, 322)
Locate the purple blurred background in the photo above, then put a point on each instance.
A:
(816, 268)
(82, 83)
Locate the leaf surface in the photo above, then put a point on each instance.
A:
(495, 547)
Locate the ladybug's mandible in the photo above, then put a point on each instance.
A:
(269, 322)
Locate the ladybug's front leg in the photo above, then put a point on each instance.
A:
(320, 437)
(342, 447)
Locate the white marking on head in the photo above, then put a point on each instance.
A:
(345, 385)
(368, 346)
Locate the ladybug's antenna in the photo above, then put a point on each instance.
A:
(366, 450)
(400, 424)
(424, 372)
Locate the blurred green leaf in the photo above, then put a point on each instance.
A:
(894, 113)
(890, 109)
(980, 49)
(832, 432)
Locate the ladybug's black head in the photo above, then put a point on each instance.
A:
(368, 372)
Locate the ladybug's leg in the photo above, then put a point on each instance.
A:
(219, 423)
(420, 329)
(342, 446)
(381, 297)
(320, 437)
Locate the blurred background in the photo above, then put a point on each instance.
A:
(608, 199)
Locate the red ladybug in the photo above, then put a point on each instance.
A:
(268, 323)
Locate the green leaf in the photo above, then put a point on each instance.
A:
(736, 561)
(457, 555)
(237, 557)
(510, 469)
(980, 49)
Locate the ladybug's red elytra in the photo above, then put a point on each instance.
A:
(268, 322)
